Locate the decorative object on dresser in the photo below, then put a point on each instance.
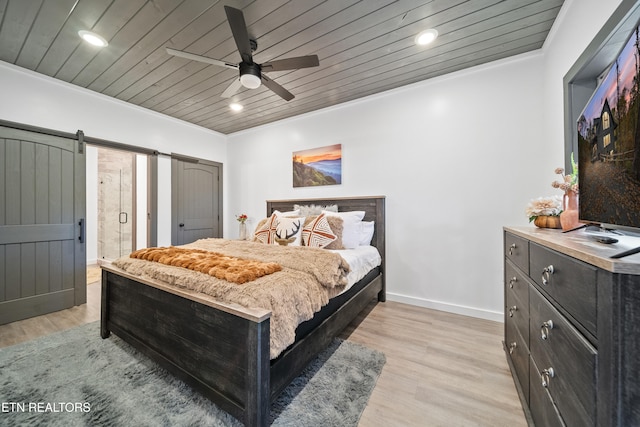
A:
(547, 221)
(544, 212)
(571, 336)
(569, 184)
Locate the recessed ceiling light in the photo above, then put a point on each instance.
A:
(93, 38)
(236, 107)
(425, 37)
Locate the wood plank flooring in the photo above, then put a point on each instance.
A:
(442, 369)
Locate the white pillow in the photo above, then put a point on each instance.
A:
(366, 232)
(288, 231)
(294, 212)
(351, 227)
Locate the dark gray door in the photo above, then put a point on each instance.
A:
(42, 205)
(196, 198)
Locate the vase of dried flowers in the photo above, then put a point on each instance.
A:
(242, 232)
(569, 218)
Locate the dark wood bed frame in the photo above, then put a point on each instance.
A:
(223, 350)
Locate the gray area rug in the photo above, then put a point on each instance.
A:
(75, 378)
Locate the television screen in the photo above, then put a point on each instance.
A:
(609, 145)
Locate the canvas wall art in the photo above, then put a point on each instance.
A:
(318, 166)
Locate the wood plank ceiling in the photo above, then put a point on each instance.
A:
(365, 47)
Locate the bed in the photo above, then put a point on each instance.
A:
(223, 350)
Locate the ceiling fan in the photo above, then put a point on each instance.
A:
(251, 73)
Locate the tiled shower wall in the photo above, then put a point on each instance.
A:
(115, 203)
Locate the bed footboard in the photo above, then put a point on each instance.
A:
(231, 366)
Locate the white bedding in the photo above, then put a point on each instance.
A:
(361, 260)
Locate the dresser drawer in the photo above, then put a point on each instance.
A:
(515, 283)
(568, 281)
(516, 249)
(543, 411)
(518, 351)
(555, 344)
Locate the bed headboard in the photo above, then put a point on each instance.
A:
(373, 207)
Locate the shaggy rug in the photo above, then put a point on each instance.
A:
(75, 378)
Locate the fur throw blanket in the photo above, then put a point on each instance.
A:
(225, 267)
(308, 279)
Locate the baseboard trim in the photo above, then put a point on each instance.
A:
(450, 308)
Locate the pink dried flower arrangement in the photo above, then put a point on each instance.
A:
(569, 181)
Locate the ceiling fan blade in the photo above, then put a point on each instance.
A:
(232, 89)
(240, 33)
(277, 89)
(200, 58)
(291, 63)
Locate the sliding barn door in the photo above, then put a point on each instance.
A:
(42, 205)
(196, 198)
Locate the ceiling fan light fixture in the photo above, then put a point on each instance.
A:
(250, 81)
(426, 37)
(93, 38)
(250, 75)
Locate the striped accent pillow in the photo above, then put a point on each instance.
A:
(318, 234)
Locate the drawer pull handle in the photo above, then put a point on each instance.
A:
(513, 280)
(512, 310)
(512, 248)
(546, 375)
(512, 347)
(546, 274)
(545, 328)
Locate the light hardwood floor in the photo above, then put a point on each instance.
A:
(442, 369)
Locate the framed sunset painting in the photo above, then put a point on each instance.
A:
(318, 166)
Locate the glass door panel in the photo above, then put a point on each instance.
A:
(116, 184)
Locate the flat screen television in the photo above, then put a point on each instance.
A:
(609, 145)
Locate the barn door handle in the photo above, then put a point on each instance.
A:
(81, 225)
(126, 218)
(181, 224)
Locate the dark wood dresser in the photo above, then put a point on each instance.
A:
(572, 328)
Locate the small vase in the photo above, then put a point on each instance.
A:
(569, 215)
(243, 231)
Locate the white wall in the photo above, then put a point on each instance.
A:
(455, 156)
(39, 100)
